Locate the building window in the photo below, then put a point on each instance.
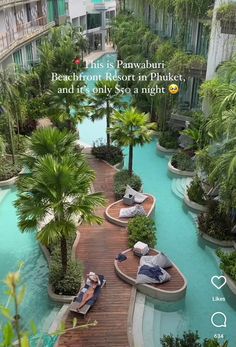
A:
(17, 57)
(29, 54)
(94, 20)
(28, 13)
(203, 40)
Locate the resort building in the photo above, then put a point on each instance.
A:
(93, 16)
(206, 36)
(23, 24)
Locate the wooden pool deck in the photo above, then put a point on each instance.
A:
(97, 248)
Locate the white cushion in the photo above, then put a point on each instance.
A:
(157, 260)
(138, 197)
(127, 212)
(144, 278)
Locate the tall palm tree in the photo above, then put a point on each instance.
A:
(50, 141)
(105, 101)
(131, 128)
(58, 189)
(67, 102)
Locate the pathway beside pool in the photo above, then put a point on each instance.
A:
(97, 249)
(98, 54)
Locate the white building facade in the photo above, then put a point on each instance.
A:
(93, 16)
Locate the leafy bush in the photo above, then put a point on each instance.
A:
(168, 140)
(189, 339)
(7, 169)
(215, 222)
(196, 192)
(71, 282)
(113, 155)
(142, 228)
(228, 263)
(121, 179)
(182, 161)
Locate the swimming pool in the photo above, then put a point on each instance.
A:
(177, 237)
(16, 247)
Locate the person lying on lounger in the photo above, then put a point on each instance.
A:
(92, 280)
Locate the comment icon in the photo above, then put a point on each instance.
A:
(219, 320)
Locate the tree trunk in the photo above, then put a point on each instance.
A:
(108, 125)
(11, 139)
(64, 255)
(130, 160)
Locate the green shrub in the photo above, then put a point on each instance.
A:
(228, 263)
(113, 155)
(196, 192)
(189, 339)
(142, 228)
(7, 169)
(215, 222)
(168, 140)
(182, 161)
(71, 282)
(121, 179)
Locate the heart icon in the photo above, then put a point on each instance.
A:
(218, 281)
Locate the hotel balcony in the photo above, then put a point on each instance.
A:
(14, 39)
(6, 3)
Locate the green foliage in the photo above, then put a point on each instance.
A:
(112, 154)
(7, 169)
(142, 228)
(227, 12)
(168, 140)
(215, 222)
(189, 339)
(121, 179)
(228, 263)
(165, 51)
(68, 284)
(196, 192)
(182, 161)
(185, 9)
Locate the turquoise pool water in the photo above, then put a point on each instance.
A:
(16, 247)
(176, 236)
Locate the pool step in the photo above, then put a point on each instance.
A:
(148, 322)
(138, 320)
(3, 194)
(179, 186)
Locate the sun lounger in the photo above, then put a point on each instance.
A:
(86, 307)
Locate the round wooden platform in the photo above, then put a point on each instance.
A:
(113, 210)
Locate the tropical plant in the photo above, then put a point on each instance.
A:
(228, 263)
(50, 141)
(131, 128)
(105, 101)
(122, 179)
(142, 228)
(12, 329)
(215, 222)
(112, 154)
(57, 192)
(2, 146)
(182, 161)
(190, 339)
(168, 139)
(195, 191)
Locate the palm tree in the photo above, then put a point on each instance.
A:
(67, 102)
(105, 101)
(131, 128)
(50, 141)
(56, 191)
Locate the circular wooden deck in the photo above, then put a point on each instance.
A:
(113, 210)
(172, 290)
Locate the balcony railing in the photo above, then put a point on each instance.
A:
(13, 38)
(9, 2)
